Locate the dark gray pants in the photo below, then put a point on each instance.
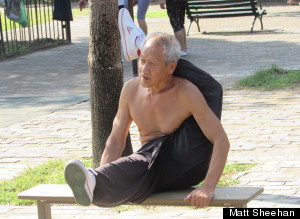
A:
(171, 162)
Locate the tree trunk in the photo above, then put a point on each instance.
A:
(106, 73)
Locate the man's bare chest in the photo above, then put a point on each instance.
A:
(164, 113)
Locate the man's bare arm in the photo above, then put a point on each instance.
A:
(117, 139)
(213, 130)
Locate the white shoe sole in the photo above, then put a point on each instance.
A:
(76, 177)
(122, 33)
(183, 53)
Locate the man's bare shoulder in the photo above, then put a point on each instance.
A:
(132, 82)
(185, 86)
(188, 93)
(131, 85)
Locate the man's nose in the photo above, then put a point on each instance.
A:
(144, 67)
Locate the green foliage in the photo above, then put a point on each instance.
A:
(37, 17)
(122, 208)
(77, 13)
(270, 79)
(157, 14)
(230, 170)
(51, 172)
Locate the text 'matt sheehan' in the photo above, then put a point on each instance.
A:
(261, 212)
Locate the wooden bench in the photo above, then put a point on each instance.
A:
(197, 9)
(47, 194)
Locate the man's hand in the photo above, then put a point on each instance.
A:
(200, 197)
(163, 4)
(81, 4)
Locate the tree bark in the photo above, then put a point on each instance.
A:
(106, 73)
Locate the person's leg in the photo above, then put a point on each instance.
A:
(181, 37)
(141, 14)
(131, 36)
(188, 158)
(126, 4)
(128, 179)
(124, 180)
(109, 185)
(143, 25)
(176, 13)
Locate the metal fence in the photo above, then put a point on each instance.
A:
(42, 30)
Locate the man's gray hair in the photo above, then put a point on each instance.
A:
(171, 46)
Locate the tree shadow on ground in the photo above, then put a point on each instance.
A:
(231, 60)
(273, 2)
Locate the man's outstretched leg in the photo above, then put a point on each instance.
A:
(131, 35)
(127, 179)
(81, 181)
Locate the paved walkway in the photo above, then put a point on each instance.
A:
(45, 112)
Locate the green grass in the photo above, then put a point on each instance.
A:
(48, 173)
(40, 17)
(157, 14)
(77, 13)
(230, 170)
(52, 173)
(270, 79)
(36, 17)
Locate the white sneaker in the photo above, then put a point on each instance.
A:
(129, 33)
(81, 181)
(183, 53)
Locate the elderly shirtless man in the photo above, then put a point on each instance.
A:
(172, 116)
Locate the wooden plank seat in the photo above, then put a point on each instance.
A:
(47, 194)
(198, 9)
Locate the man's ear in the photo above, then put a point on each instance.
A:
(172, 67)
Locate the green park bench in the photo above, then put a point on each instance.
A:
(198, 9)
(47, 194)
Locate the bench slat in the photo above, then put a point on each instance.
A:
(49, 192)
(224, 196)
(207, 2)
(229, 14)
(200, 6)
(220, 2)
(221, 10)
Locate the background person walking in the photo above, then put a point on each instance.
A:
(143, 6)
(176, 13)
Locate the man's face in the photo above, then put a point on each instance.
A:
(153, 69)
